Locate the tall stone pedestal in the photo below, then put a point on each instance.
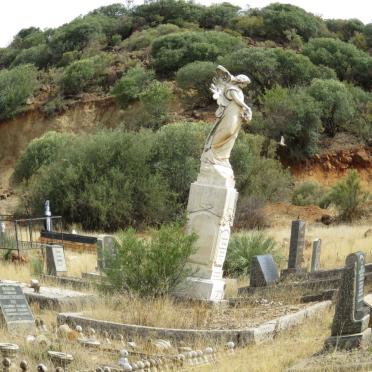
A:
(211, 210)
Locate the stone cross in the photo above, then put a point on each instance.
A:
(350, 322)
(263, 271)
(315, 257)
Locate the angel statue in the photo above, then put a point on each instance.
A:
(232, 110)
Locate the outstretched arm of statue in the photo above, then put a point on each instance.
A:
(247, 112)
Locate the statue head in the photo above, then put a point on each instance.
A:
(241, 80)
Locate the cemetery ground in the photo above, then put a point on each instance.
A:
(285, 349)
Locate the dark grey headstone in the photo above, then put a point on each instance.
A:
(315, 257)
(15, 310)
(263, 271)
(351, 315)
(55, 258)
(296, 245)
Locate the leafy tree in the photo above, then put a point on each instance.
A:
(367, 32)
(218, 15)
(336, 103)
(171, 52)
(83, 75)
(36, 55)
(152, 267)
(345, 29)
(295, 115)
(132, 84)
(16, 85)
(348, 197)
(41, 151)
(28, 37)
(155, 100)
(279, 18)
(348, 61)
(197, 76)
(113, 11)
(249, 25)
(168, 11)
(7, 55)
(267, 67)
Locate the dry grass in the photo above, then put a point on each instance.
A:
(285, 350)
(337, 242)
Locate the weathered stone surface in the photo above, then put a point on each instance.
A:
(15, 311)
(315, 257)
(263, 271)
(55, 260)
(351, 315)
(106, 247)
(296, 245)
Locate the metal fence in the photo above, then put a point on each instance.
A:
(25, 234)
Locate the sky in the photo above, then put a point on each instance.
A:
(18, 14)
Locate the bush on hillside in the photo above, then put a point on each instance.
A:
(104, 181)
(37, 55)
(309, 193)
(294, 114)
(170, 52)
(336, 103)
(197, 76)
(242, 248)
(39, 152)
(155, 100)
(218, 15)
(151, 267)
(84, 75)
(268, 67)
(348, 197)
(16, 85)
(132, 84)
(349, 62)
(143, 39)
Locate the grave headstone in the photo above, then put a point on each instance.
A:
(15, 311)
(106, 247)
(2, 233)
(296, 248)
(350, 322)
(263, 271)
(55, 260)
(315, 257)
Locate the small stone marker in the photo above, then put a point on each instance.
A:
(55, 258)
(106, 247)
(263, 271)
(315, 257)
(350, 322)
(15, 310)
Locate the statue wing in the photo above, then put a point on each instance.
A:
(219, 84)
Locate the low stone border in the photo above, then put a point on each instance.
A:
(240, 337)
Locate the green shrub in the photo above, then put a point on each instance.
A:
(349, 62)
(348, 197)
(155, 100)
(242, 248)
(37, 55)
(170, 52)
(16, 85)
(279, 18)
(336, 103)
(132, 84)
(143, 39)
(151, 267)
(83, 75)
(268, 67)
(40, 151)
(218, 15)
(309, 193)
(197, 76)
(295, 115)
(55, 106)
(104, 181)
(249, 25)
